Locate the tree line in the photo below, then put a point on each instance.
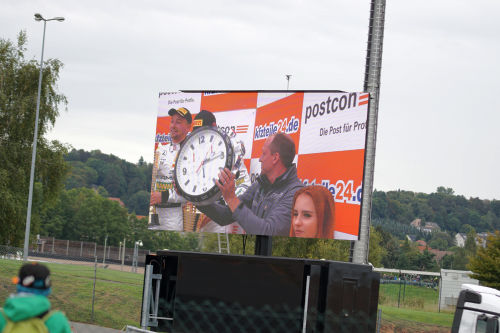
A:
(453, 213)
(112, 177)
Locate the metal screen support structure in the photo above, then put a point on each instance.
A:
(263, 245)
(149, 315)
(372, 86)
(223, 241)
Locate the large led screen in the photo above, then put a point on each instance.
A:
(328, 129)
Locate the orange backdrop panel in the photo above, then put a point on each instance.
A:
(229, 101)
(286, 108)
(342, 173)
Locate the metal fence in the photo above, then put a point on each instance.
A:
(87, 251)
(91, 293)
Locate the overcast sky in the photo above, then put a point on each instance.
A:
(438, 111)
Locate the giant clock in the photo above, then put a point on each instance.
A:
(201, 157)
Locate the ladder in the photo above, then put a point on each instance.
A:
(223, 240)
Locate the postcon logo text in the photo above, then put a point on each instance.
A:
(332, 105)
(285, 125)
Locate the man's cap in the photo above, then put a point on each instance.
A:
(183, 112)
(33, 278)
(204, 118)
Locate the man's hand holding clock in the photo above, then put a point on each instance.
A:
(226, 185)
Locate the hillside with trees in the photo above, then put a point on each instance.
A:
(453, 213)
(394, 211)
(112, 177)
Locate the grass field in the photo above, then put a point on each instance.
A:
(118, 294)
(417, 312)
(412, 297)
(434, 318)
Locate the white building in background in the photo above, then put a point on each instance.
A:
(460, 239)
(450, 287)
(481, 238)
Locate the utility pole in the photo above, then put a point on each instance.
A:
(372, 86)
(38, 17)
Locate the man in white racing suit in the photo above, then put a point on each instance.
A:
(164, 199)
(206, 118)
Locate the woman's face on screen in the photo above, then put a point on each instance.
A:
(304, 217)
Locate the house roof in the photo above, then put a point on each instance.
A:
(117, 200)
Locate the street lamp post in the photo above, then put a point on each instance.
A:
(38, 17)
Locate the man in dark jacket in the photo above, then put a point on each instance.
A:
(265, 208)
(30, 301)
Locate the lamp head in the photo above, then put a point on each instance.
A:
(38, 17)
(60, 19)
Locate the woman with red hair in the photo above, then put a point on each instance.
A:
(313, 211)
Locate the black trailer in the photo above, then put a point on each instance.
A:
(205, 292)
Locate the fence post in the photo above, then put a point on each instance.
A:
(399, 294)
(123, 254)
(81, 248)
(93, 289)
(379, 320)
(404, 289)
(67, 247)
(104, 254)
(440, 284)
(53, 240)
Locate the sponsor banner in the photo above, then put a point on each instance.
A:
(333, 122)
(342, 174)
(238, 124)
(328, 128)
(190, 101)
(162, 130)
(282, 115)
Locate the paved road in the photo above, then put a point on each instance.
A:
(88, 328)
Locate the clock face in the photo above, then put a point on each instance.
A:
(201, 156)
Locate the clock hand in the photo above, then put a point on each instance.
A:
(202, 163)
(198, 170)
(213, 158)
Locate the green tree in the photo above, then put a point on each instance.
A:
(440, 241)
(377, 251)
(470, 243)
(18, 95)
(80, 175)
(484, 265)
(139, 202)
(445, 190)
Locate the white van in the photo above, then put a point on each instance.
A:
(478, 310)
